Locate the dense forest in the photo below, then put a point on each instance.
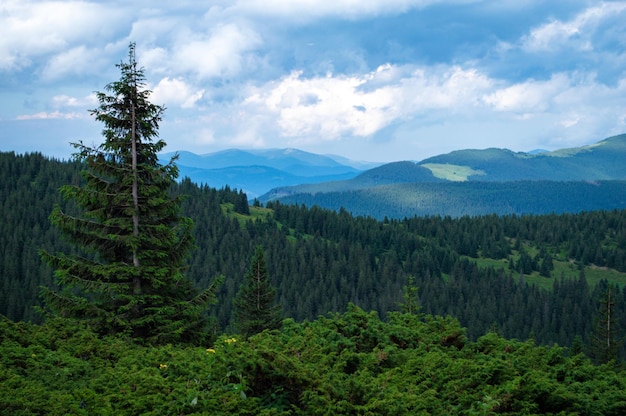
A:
(457, 199)
(478, 182)
(531, 275)
(352, 363)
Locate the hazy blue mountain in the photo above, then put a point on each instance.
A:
(535, 181)
(387, 174)
(257, 171)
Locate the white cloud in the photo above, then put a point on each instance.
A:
(51, 115)
(569, 109)
(61, 101)
(152, 29)
(554, 34)
(36, 28)
(170, 92)
(221, 54)
(73, 62)
(327, 108)
(530, 96)
(155, 59)
(65, 107)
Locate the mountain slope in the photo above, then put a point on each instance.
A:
(454, 199)
(558, 181)
(390, 173)
(600, 161)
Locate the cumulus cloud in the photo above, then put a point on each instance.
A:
(530, 96)
(577, 31)
(61, 101)
(176, 92)
(333, 106)
(29, 29)
(221, 53)
(73, 62)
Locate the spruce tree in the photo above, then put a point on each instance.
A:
(255, 309)
(605, 339)
(411, 303)
(133, 242)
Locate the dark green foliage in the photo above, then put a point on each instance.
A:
(255, 307)
(129, 276)
(410, 304)
(320, 260)
(606, 339)
(456, 199)
(341, 364)
(28, 193)
(241, 204)
(547, 265)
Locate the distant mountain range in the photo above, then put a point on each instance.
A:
(463, 182)
(476, 182)
(258, 171)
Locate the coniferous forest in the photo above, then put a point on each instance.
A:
(537, 279)
(284, 309)
(526, 275)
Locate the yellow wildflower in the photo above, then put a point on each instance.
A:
(163, 366)
(230, 340)
(210, 351)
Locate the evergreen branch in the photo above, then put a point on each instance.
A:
(207, 296)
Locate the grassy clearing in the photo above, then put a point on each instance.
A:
(455, 173)
(259, 213)
(565, 269)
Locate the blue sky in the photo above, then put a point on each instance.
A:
(376, 80)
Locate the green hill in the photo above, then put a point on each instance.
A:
(600, 161)
(477, 182)
(457, 199)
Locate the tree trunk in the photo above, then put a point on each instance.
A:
(135, 192)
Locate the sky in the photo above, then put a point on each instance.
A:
(371, 80)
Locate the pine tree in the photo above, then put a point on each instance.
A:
(547, 266)
(605, 342)
(255, 309)
(129, 277)
(411, 303)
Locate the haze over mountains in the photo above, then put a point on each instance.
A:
(463, 182)
(258, 171)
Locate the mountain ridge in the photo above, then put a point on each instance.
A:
(257, 171)
(393, 187)
(301, 177)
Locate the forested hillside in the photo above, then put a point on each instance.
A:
(599, 161)
(456, 199)
(535, 275)
(478, 182)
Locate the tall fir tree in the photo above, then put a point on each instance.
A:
(134, 241)
(254, 305)
(605, 339)
(411, 302)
